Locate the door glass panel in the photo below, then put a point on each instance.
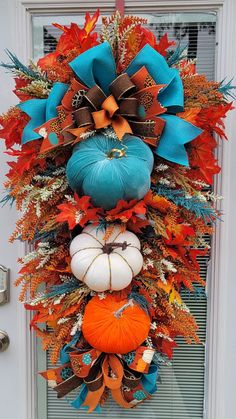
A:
(181, 390)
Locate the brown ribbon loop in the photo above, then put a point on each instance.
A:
(129, 107)
(67, 386)
(83, 117)
(141, 127)
(122, 86)
(95, 96)
(131, 379)
(96, 384)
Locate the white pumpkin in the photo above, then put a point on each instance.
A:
(105, 265)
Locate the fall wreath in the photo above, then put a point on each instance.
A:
(113, 145)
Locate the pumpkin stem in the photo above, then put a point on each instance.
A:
(118, 313)
(116, 153)
(108, 247)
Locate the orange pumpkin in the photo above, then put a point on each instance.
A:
(115, 324)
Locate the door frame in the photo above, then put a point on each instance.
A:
(217, 289)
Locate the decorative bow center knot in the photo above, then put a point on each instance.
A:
(131, 107)
(114, 110)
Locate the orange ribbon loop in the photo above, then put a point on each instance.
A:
(110, 105)
(112, 373)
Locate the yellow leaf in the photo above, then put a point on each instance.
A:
(174, 296)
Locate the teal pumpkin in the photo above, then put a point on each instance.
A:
(108, 170)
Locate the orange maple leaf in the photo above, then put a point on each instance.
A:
(79, 212)
(163, 45)
(178, 234)
(125, 210)
(158, 202)
(202, 156)
(74, 39)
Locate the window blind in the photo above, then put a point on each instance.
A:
(181, 390)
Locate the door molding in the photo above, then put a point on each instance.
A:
(217, 288)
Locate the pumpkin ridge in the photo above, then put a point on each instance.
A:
(85, 248)
(74, 164)
(110, 274)
(114, 238)
(85, 232)
(90, 266)
(117, 166)
(124, 261)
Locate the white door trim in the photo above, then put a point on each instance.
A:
(222, 243)
(217, 287)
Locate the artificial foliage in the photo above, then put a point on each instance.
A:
(114, 134)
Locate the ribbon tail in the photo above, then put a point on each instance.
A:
(114, 384)
(119, 399)
(176, 134)
(149, 380)
(93, 397)
(67, 386)
(149, 130)
(36, 110)
(121, 126)
(78, 403)
(76, 132)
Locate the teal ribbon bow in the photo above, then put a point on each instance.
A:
(41, 111)
(96, 66)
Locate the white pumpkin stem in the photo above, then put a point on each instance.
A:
(118, 313)
(108, 247)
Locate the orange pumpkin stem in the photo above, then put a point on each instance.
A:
(118, 313)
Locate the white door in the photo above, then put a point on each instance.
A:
(19, 397)
(13, 395)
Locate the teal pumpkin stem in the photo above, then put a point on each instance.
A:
(116, 153)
